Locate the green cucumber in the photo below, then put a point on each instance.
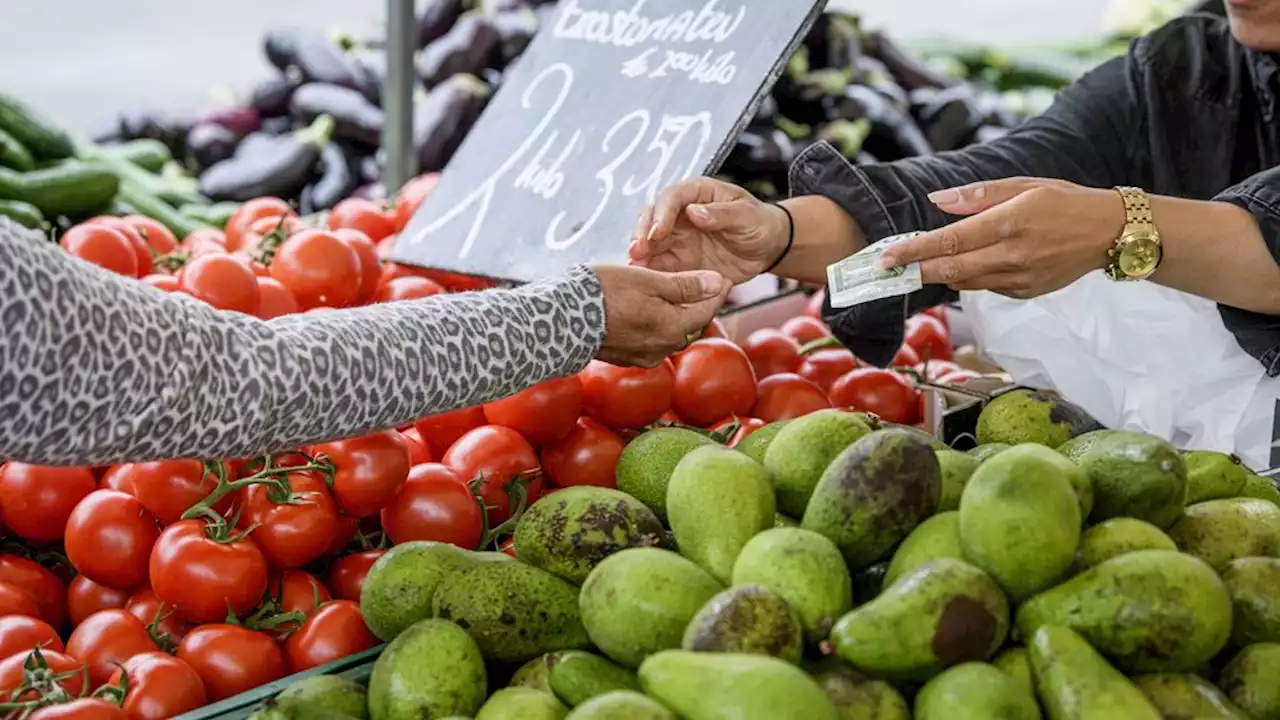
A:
(146, 203)
(146, 153)
(217, 214)
(14, 154)
(36, 132)
(172, 192)
(24, 214)
(74, 189)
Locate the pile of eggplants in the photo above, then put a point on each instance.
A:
(853, 88)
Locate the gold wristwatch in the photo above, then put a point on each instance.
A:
(1137, 251)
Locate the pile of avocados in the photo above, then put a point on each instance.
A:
(835, 567)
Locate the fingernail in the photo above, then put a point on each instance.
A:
(710, 284)
(888, 262)
(944, 197)
(653, 229)
(700, 211)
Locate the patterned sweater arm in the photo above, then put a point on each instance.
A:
(98, 369)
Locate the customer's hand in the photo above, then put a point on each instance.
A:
(650, 315)
(1025, 236)
(707, 224)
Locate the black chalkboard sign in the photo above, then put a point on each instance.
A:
(612, 102)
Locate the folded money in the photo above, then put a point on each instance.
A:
(859, 278)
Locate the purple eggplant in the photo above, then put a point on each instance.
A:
(470, 47)
(443, 118)
(276, 126)
(373, 191)
(271, 97)
(951, 118)
(356, 119)
(373, 63)
(370, 167)
(320, 60)
(338, 178)
(239, 120)
(516, 29)
(280, 45)
(278, 166)
(436, 20)
(209, 144)
(170, 129)
(909, 72)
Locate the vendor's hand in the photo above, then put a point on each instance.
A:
(1025, 237)
(710, 225)
(650, 315)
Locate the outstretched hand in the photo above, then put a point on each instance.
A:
(650, 315)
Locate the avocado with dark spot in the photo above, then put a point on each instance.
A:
(1181, 696)
(1213, 475)
(515, 612)
(432, 669)
(746, 619)
(1250, 680)
(1254, 585)
(646, 464)
(570, 531)
(577, 676)
(803, 450)
(1219, 531)
(874, 494)
(1024, 416)
(941, 614)
(1176, 611)
(856, 696)
(806, 570)
(1136, 475)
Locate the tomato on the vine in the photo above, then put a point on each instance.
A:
(89, 708)
(155, 233)
(335, 631)
(319, 269)
(248, 213)
(13, 672)
(499, 455)
(298, 591)
(587, 456)
(160, 686)
(368, 470)
(23, 633)
(905, 357)
(419, 451)
(344, 532)
(411, 196)
(275, 299)
(36, 500)
(882, 392)
(86, 597)
(292, 519)
(231, 659)
(713, 380)
(106, 639)
(203, 579)
(434, 504)
(109, 539)
(928, 337)
(168, 488)
(823, 367)
(346, 575)
(104, 246)
(543, 413)
(746, 426)
(364, 215)
(441, 431)
(788, 396)
(49, 592)
(162, 618)
(141, 249)
(18, 601)
(223, 282)
(804, 329)
(770, 352)
(625, 398)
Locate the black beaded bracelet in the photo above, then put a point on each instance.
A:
(791, 238)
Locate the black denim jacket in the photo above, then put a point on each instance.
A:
(1188, 112)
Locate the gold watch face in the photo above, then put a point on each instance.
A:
(1140, 255)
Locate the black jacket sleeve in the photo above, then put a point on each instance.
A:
(1256, 333)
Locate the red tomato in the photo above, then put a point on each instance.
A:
(587, 456)
(410, 287)
(155, 233)
(334, 632)
(804, 329)
(715, 329)
(13, 673)
(624, 398)
(363, 215)
(107, 247)
(882, 392)
(86, 597)
(35, 500)
(203, 579)
(441, 431)
(274, 299)
(18, 601)
(168, 488)
(160, 686)
(713, 380)
(788, 396)
(44, 586)
(671, 416)
(81, 709)
(343, 534)
(223, 282)
(434, 504)
(823, 367)
(905, 357)
(411, 196)
(109, 539)
(370, 264)
(419, 452)
(296, 590)
(319, 269)
(256, 209)
(543, 413)
(940, 312)
(291, 528)
(746, 426)
(204, 241)
(771, 352)
(393, 270)
(167, 283)
(231, 659)
(107, 638)
(814, 307)
(369, 471)
(346, 575)
(23, 633)
(145, 606)
(929, 337)
(499, 455)
(116, 477)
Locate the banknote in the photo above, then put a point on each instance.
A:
(859, 279)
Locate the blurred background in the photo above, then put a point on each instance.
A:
(80, 60)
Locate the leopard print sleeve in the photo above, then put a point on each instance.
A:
(98, 369)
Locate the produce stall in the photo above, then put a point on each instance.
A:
(761, 527)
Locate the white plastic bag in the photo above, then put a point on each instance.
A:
(1137, 356)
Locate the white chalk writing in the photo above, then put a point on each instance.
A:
(628, 28)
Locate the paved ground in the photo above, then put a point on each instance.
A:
(82, 59)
